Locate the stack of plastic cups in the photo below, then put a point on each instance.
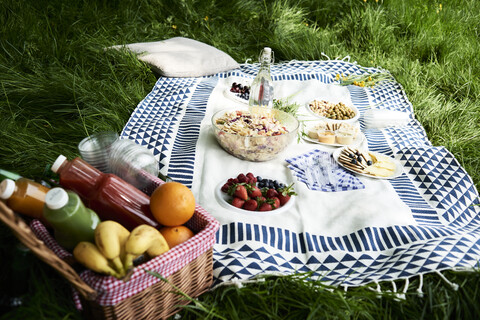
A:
(133, 163)
(95, 149)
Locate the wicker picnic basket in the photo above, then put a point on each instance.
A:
(187, 269)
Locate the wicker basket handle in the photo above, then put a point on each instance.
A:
(23, 232)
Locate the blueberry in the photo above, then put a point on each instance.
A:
(281, 185)
(275, 184)
(354, 161)
(369, 163)
(259, 178)
(359, 159)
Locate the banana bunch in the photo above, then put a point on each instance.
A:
(115, 248)
(88, 254)
(144, 239)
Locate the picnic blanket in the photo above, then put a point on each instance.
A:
(425, 220)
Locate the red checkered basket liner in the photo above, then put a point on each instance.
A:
(112, 291)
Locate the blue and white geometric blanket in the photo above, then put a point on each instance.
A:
(423, 221)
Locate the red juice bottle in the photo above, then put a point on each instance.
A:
(108, 195)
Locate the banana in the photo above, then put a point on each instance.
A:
(88, 254)
(110, 237)
(144, 238)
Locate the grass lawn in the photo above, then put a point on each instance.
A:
(58, 85)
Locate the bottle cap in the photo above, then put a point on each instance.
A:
(60, 160)
(56, 198)
(266, 55)
(7, 187)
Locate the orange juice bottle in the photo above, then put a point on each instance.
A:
(24, 196)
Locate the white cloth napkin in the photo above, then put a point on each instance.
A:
(318, 171)
(376, 118)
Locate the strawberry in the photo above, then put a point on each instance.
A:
(261, 199)
(250, 205)
(271, 193)
(237, 202)
(275, 202)
(265, 207)
(283, 199)
(254, 192)
(285, 193)
(238, 190)
(241, 192)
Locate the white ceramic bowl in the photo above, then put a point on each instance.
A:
(354, 119)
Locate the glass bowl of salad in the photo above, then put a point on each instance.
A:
(254, 134)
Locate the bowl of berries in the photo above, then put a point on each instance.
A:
(254, 134)
(238, 92)
(246, 193)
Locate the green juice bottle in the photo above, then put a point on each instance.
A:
(70, 219)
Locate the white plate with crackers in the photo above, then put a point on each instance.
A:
(341, 134)
(356, 141)
(368, 163)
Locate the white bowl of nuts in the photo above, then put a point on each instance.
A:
(333, 111)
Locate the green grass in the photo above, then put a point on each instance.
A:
(57, 85)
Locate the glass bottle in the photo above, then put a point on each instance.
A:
(261, 90)
(70, 219)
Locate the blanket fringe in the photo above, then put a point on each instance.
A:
(402, 295)
(378, 289)
(346, 58)
(451, 284)
(419, 290)
(324, 55)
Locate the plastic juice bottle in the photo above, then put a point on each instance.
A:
(71, 220)
(4, 174)
(108, 195)
(261, 90)
(24, 196)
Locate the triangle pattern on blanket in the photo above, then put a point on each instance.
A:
(419, 257)
(439, 176)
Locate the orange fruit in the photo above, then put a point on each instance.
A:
(172, 204)
(176, 235)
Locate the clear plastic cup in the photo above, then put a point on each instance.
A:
(133, 163)
(95, 149)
